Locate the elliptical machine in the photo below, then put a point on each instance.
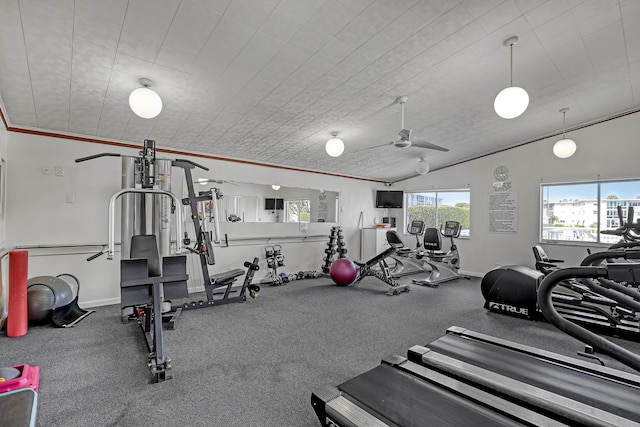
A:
(513, 289)
(445, 266)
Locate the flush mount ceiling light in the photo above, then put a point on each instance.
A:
(334, 146)
(422, 167)
(275, 187)
(564, 148)
(144, 102)
(511, 101)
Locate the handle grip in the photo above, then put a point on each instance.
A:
(95, 156)
(94, 256)
(193, 164)
(252, 266)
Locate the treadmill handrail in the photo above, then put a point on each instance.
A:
(551, 314)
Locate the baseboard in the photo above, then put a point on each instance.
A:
(100, 302)
(471, 273)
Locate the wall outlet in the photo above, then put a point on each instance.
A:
(59, 171)
(46, 170)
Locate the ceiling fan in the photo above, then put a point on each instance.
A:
(406, 139)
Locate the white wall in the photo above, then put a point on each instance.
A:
(605, 151)
(44, 209)
(39, 211)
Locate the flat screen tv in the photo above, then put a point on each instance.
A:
(389, 199)
(269, 204)
(273, 204)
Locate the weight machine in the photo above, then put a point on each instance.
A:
(148, 284)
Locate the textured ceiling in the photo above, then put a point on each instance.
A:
(269, 80)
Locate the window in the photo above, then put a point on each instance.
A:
(437, 207)
(579, 212)
(298, 210)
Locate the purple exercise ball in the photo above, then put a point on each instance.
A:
(343, 272)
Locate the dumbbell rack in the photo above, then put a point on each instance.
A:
(275, 259)
(335, 249)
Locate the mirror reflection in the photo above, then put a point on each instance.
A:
(245, 202)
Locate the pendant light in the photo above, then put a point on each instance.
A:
(334, 146)
(512, 101)
(565, 147)
(144, 102)
(422, 167)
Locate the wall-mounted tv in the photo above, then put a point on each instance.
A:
(389, 199)
(271, 204)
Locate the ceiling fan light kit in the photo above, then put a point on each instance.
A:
(512, 101)
(422, 167)
(334, 146)
(565, 147)
(145, 102)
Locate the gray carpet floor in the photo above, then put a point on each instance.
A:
(254, 363)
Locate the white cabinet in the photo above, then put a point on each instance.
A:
(374, 241)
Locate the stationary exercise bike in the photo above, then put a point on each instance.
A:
(444, 266)
(407, 261)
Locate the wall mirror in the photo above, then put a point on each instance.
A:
(246, 202)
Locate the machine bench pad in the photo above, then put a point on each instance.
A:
(220, 278)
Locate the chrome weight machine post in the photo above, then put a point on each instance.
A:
(111, 244)
(162, 207)
(131, 203)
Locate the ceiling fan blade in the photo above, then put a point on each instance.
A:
(425, 144)
(375, 146)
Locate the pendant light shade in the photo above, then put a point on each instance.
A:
(565, 147)
(422, 167)
(512, 101)
(144, 102)
(334, 146)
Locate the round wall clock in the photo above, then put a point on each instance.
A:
(501, 173)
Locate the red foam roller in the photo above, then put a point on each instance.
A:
(18, 317)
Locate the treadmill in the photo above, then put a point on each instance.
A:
(470, 379)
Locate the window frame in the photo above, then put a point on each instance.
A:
(600, 225)
(437, 205)
(286, 210)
